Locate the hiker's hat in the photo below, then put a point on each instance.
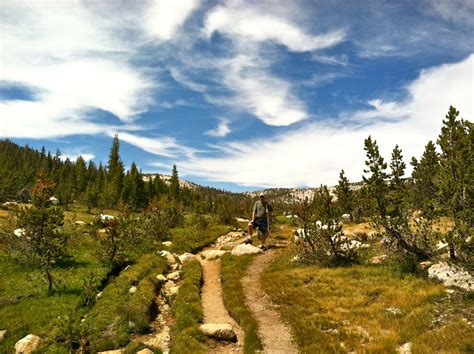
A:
(262, 195)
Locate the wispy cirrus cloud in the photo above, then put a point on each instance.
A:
(222, 129)
(316, 152)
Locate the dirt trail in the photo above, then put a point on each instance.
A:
(213, 302)
(275, 335)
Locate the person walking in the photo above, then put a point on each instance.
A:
(261, 214)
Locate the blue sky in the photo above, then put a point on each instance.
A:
(238, 94)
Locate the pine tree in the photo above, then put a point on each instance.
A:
(377, 181)
(397, 184)
(174, 184)
(134, 194)
(115, 175)
(423, 178)
(344, 194)
(454, 178)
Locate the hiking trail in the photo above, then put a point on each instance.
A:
(275, 335)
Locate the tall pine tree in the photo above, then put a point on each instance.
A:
(115, 175)
(344, 194)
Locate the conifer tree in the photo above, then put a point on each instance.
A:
(397, 184)
(134, 194)
(174, 184)
(344, 194)
(423, 178)
(115, 175)
(454, 179)
(377, 180)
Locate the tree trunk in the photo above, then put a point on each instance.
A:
(452, 252)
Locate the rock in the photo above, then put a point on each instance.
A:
(405, 348)
(221, 331)
(27, 344)
(212, 254)
(394, 310)
(116, 351)
(80, 222)
(167, 243)
(161, 277)
(241, 220)
(2, 335)
(441, 245)
(424, 265)
(378, 259)
(346, 216)
(451, 276)
(132, 290)
(19, 232)
(245, 249)
(104, 218)
(98, 296)
(173, 276)
(186, 257)
(170, 290)
(168, 256)
(145, 351)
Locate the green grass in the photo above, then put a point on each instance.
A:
(189, 239)
(329, 306)
(119, 313)
(232, 271)
(188, 312)
(25, 306)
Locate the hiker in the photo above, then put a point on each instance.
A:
(262, 211)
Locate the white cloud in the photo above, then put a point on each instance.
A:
(178, 76)
(75, 64)
(250, 24)
(221, 130)
(164, 17)
(316, 153)
(74, 155)
(163, 146)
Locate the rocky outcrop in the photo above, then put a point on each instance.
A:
(245, 249)
(174, 276)
(27, 344)
(450, 275)
(220, 331)
(169, 257)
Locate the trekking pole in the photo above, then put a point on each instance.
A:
(268, 224)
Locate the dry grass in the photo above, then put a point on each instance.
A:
(345, 309)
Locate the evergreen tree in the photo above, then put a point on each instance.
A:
(397, 184)
(344, 194)
(115, 175)
(377, 180)
(454, 179)
(134, 194)
(423, 178)
(174, 184)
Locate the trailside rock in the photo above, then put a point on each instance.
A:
(161, 278)
(167, 243)
(145, 351)
(132, 290)
(186, 257)
(405, 348)
(27, 344)
(116, 351)
(212, 254)
(451, 276)
(168, 256)
(245, 249)
(173, 276)
(2, 335)
(221, 331)
(378, 259)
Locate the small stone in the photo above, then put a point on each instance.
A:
(28, 344)
(80, 222)
(405, 348)
(168, 256)
(161, 277)
(394, 310)
(145, 351)
(132, 290)
(378, 259)
(186, 257)
(167, 243)
(99, 295)
(173, 276)
(2, 335)
(220, 331)
(425, 265)
(245, 249)
(212, 254)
